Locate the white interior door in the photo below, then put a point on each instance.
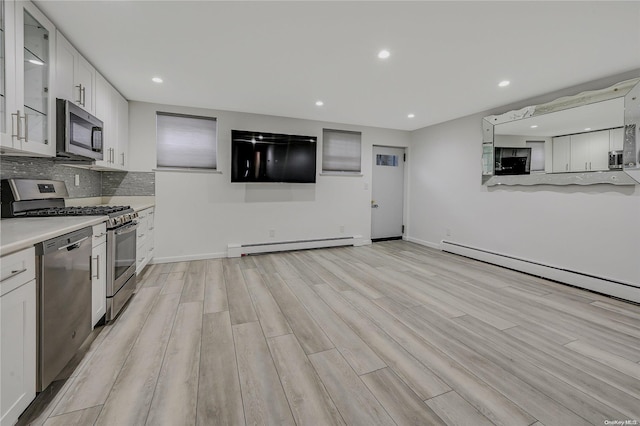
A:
(387, 192)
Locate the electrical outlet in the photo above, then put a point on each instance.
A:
(448, 231)
(366, 186)
(342, 229)
(77, 180)
(272, 233)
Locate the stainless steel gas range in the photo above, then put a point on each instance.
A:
(23, 198)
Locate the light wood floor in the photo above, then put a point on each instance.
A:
(394, 333)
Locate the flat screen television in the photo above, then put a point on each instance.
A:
(512, 161)
(272, 157)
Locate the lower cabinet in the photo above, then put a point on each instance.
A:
(17, 334)
(145, 238)
(98, 273)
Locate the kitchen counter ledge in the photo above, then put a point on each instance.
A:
(20, 233)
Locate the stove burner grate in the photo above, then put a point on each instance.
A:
(78, 211)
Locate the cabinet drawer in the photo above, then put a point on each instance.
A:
(99, 234)
(17, 269)
(141, 236)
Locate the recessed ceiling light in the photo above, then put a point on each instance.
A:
(411, 115)
(156, 80)
(504, 83)
(534, 126)
(36, 62)
(588, 128)
(319, 103)
(384, 54)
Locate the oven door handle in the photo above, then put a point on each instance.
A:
(126, 229)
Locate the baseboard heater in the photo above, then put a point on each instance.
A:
(602, 285)
(237, 250)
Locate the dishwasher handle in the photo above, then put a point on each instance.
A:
(74, 245)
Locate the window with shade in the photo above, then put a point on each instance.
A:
(341, 151)
(186, 142)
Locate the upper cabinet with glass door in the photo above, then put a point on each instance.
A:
(29, 110)
(7, 73)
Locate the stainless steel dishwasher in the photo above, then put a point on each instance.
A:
(63, 278)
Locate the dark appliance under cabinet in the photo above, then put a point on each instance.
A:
(63, 280)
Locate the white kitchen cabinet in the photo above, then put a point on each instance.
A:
(616, 139)
(17, 334)
(113, 109)
(590, 151)
(29, 109)
(145, 238)
(122, 108)
(104, 113)
(7, 73)
(75, 76)
(561, 154)
(98, 273)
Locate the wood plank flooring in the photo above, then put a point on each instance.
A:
(393, 333)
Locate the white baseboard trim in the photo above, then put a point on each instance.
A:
(423, 242)
(186, 258)
(603, 285)
(237, 250)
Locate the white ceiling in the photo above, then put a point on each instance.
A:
(278, 58)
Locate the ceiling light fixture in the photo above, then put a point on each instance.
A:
(411, 115)
(319, 103)
(534, 126)
(156, 80)
(36, 62)
(384, 54)
(587, 129)
(504, 83)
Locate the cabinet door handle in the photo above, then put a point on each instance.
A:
(589, 165)
(98, 267)
(113, 155)
(122, 159)
(79, 101)
(84, 96)
(17, 134)
(26, 128)
(13, 274)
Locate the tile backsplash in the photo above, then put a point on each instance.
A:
(93, 183)
(129, 183)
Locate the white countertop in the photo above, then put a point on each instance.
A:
(20, 233)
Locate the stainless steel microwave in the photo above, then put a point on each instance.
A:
(78, 133)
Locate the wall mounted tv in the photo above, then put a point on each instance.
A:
(272, 157)
(513, 161)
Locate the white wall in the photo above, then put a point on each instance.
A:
(199, 214)
(593, 230)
